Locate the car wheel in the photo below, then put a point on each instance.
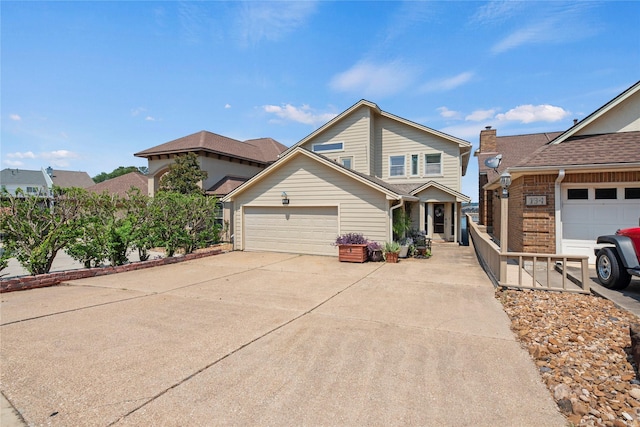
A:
(610, 271)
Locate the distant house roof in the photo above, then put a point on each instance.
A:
(514, 149)
(262, 150)
(24, 177)
(226, 185)
(121, 184)
(67, 179)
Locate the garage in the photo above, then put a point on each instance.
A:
(592, 211)
(304, 230)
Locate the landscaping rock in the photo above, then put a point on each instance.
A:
(582, 346)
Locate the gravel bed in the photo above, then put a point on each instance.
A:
(582, 348)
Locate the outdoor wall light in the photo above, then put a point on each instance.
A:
(285, 198)
(505, 182)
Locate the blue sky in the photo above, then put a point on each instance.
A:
(84, 85)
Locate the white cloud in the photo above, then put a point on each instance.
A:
(227, 106)
(466, 131)
(271, 21)
(59, 158)
(303, 114)
(374, 80)
(448, 83)
(137, 111)
(448, 114)
(14, 163)
(15, 117)
(496, 12)
(480, 115)
(565, 23)
(534, 113)
(150, 119)
(18, 155)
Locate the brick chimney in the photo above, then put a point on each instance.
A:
(488, 140)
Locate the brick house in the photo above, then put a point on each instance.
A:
(567, 187)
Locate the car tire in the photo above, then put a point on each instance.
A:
(611, 273)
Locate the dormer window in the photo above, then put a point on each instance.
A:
(328, 147)
(396, 166)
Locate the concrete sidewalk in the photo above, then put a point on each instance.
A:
(272, 339)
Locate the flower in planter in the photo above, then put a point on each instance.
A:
(351, 239)
(374, 250)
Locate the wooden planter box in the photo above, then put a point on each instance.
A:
(352, 253)
(391, 257)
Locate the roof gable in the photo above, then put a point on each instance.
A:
(378, 184)
(465, 147)
(631, 95)
(433, 184)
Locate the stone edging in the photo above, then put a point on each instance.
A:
(51, 279)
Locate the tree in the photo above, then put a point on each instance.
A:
(184, 175)
(120, 170)
(35, 228)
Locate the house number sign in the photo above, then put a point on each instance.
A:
(536, 201)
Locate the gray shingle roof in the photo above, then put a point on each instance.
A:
(66, 179)
(24, 177)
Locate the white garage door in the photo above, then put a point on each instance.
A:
(592, 211)
(303, 230)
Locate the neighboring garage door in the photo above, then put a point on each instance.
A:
(592, 211)
(304, 230)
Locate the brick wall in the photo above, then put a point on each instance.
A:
(532, 228)
(52, 279)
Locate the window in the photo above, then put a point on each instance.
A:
(606, 193)
(632, 193)
(32, 190)
(432, 164)
(326, 147)
(414, 165)
(347, 162)
(396, 166)
(578, 194)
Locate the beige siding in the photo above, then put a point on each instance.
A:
(307, 182)
(434, 195)
(216, 170)
(394, 138)
(622, 118)
(353, 131)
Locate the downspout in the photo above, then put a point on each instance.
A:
(558, 209)
(393, 208)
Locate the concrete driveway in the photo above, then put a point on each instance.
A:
(272, 339)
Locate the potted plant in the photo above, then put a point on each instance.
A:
(405, 245)
(391, 251)
(352, 247)
(374, 250)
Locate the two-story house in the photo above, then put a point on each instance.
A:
(352, 175)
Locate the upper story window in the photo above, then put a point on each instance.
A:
(347, 162)
(433, 164)
(415, 165)
(327, 147)
(396, 166)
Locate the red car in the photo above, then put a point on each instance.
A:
(617, 262)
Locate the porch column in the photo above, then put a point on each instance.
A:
(422, 221)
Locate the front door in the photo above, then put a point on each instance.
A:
(438, 218)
